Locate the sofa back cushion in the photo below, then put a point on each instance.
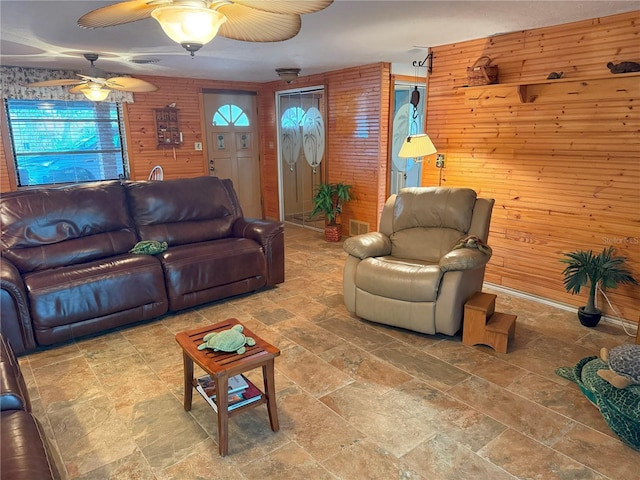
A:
(184, 211)
(52, 227)
(428, 221)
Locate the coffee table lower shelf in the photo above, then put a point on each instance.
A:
(243, 408)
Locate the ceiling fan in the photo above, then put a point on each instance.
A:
(193, 23)
(95, 85)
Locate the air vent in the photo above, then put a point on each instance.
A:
(144, 61)
(356, 227)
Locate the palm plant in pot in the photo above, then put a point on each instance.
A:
(329, 199)
(605, 270)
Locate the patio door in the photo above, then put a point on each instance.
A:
(301, 152)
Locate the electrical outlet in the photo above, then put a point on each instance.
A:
(440, 160)
(198, 146)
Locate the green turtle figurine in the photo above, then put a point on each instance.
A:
(231, 340)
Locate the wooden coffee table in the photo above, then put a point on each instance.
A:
(221, 366)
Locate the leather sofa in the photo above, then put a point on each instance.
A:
(410, 274)
(25, 450)
(66, 269)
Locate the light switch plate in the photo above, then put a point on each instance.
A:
(198, 146)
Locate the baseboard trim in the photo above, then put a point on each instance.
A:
(561, 306)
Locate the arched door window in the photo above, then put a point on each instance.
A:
(230, 115)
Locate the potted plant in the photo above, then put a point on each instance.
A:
(584, 268)
(329, 199)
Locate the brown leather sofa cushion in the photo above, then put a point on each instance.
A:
(52, 227)
(184, 211)
(199, 267)
(93, 290)
(25, 452)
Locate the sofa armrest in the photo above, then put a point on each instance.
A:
(269, 234)
(13, 390)
(372, 244)
(463, 259)
(15, 320)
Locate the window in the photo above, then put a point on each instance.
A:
(56, 141)
(230, 115)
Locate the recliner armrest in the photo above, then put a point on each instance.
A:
(372, 244)
(463, 259)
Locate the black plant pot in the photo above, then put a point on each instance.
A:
(589, 319)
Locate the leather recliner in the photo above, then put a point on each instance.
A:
(408, 274)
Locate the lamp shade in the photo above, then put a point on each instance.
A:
(417, 146)
(189, 25)
(95, 92)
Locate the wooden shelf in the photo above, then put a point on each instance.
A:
(611, 87)
(167, 127)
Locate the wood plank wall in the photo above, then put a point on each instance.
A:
(564, 169)
(5, 182)
(184, 161)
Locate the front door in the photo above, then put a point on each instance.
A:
(232, 145)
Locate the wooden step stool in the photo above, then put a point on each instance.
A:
(483, 325)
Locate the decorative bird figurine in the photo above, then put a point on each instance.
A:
(172, 105)
(555, 75)
(624, 67)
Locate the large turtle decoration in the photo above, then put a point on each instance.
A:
(231, 340)
(620, 407)
(624, 365)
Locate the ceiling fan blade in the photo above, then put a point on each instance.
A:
(287, 6)
(119, 13)
(251, 25)
(56, 83)
(130, 84)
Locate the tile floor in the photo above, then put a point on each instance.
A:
(356, 400)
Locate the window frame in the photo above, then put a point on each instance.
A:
(11, 157)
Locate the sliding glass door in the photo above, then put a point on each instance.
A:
(301, 152)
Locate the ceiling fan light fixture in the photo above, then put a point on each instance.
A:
(192, 26)
(95, 92)
(288, 74)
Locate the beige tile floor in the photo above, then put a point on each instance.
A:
(356, 400)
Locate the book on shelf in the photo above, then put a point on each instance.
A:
(236, 399)
(236, 384)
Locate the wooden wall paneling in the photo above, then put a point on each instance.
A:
(268, 153)
(358, 109)
(7, 169)
(563, 170)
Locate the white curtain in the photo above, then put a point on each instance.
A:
(14, 84)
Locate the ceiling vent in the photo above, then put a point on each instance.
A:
(145, 61)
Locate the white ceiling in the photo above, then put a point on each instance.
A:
(347, 33)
